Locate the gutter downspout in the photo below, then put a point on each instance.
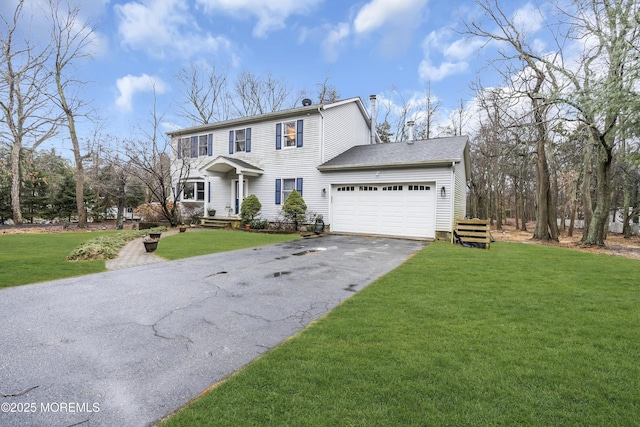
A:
(374, 114)
(322, 141)
(453, 197)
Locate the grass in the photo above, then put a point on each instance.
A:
(204, 242)
(516, 335)
(32, 258)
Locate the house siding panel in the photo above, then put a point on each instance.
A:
(344, 128)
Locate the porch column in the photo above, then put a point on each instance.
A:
(206, 197)
(240, 191)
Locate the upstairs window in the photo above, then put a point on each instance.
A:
(289, 134)
(203, 146)
(195, 146)
(240, 141)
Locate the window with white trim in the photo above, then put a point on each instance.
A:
(240, 140)
(289, 134)
(203, 146)
(195, 146)
(193, 191)
(288, 185)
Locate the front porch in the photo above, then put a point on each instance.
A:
(237, 173)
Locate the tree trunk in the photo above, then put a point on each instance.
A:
(15, 184)
(596, 233)
(586, 188)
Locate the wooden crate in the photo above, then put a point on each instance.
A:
(473, 232)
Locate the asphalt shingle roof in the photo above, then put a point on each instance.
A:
(430, 151)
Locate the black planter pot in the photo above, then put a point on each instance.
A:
(155, 235)
(150, 245)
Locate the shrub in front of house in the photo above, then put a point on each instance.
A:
(249, 209)
(295, 209)
(259, 224)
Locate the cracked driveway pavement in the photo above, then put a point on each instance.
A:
(127, 347)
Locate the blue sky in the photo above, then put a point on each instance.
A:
(366, 47)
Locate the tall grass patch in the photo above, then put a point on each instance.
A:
(519, 334)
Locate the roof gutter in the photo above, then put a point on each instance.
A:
(441, 162)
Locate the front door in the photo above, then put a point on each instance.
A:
(237, 195)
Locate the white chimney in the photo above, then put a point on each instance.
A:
(374, 113)
(410, 124)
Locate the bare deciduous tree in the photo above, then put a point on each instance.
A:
(327, 92)
(204, 93)
(150, 159)
(597, 89)
(27, 114)
(71, 41)
(260, 95)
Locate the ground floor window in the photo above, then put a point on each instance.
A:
(193, 191)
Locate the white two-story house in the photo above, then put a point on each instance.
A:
(329, 154)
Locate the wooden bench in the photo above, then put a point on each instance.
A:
(472, 233)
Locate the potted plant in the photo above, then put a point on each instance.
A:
(211, 212)
(182, 228)
(155, 235)
(150, 245)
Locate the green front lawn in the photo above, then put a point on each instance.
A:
(202, 242)
(516, 335)
(31, 258)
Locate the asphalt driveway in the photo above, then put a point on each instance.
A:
(127, 347)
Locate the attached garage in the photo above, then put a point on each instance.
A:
(408, 189)
(397, 209)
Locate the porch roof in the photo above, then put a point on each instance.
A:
(223, 164)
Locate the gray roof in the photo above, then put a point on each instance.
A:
(292, 112)
(402, 154)
(241, 163)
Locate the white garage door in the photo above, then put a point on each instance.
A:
(406, 209)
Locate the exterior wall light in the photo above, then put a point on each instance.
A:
(443, 192)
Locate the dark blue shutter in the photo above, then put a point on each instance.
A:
(278, 136)
(208, 191)
(248, 140)
(299, 134)
(299, 185)
(210, 144)
(179, 148)
(230, 142)
(278, 191)
(177, 192)
(194, 146)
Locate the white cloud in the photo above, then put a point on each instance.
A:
(129, 86)
(271, 14)
(377, 13)
(528, 18)
(430, 72)
(164, 27)
(452, 55)
(335, 40)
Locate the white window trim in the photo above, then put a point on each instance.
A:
(195, 191)
(284, 136)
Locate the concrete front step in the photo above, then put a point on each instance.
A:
(220, 222)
